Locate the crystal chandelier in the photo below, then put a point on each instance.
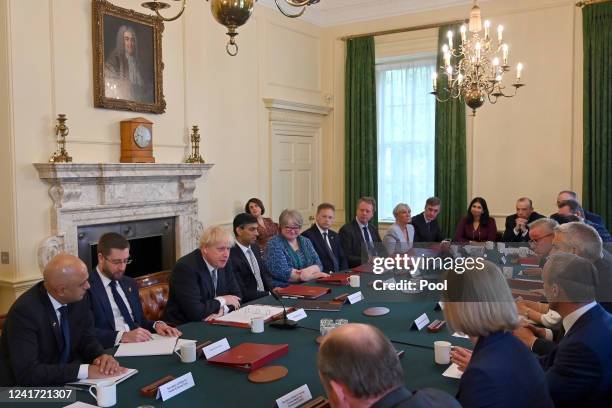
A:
(231, 13)
(481, 64)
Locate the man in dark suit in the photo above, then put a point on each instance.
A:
(426, 228)
(118, 315)
(48, 337)
(517, 229)
(202, 284)
(326, 241)
(579, 369)
(249, 270)
(571, 195)
(341, 360)
(360, 240)
(572, 207)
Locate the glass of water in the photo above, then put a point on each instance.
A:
(326, 325)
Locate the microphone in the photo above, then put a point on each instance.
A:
(283, 323)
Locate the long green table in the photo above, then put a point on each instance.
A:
(226, 387)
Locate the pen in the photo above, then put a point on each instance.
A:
(289, 297)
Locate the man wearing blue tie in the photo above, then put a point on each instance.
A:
(359, 239)
(48, 338)
(114, 299)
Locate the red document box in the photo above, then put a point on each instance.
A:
(250, 356)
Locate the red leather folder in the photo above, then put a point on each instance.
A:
(300, 291)
(336, 279)
(249, 356)
(365, 268)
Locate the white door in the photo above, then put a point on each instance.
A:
(295, 169)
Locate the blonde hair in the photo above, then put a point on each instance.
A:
(215, 235)
(478, 302)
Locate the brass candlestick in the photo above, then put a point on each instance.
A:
(195, 147)
(61, 131)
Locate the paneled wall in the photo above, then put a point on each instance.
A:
(46, 69)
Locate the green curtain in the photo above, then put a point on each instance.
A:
(597, 84)
(450, 159)
(360, 124)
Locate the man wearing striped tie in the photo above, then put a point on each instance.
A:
(48, 338)
(250, 271)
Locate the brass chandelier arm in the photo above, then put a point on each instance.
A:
(155, 6)
(286, 14)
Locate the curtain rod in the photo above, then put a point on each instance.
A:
(402, 30)
(589, 2)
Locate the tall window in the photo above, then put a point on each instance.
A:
(406, 133)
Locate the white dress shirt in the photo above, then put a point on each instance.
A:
(362, 234)
(326, 237)
(120, 325)
(570, 319)
(247, 251)
(83, 368)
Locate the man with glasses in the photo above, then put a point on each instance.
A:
(114, 299)
(541, 233)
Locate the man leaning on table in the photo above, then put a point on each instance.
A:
(359, 367)
(118, 314)
(202, 284)
(48, 337)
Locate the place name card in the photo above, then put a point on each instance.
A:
(217, 347)
(297, 315)
(355, 297)
(295, 398)
(420, 322)
(175, 387)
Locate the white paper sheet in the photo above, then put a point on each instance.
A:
(159, 345)
(453, 371)
(246, 313)
(116, 379)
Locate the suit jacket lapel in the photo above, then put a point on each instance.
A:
(101, 296)
(206, 278)
(52, 316)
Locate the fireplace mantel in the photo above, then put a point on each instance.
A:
(103, 193)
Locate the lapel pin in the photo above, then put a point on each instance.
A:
(53, 324)
(130, 289)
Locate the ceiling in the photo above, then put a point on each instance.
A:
(336, 12)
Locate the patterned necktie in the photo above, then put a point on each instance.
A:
(366, 235)
(255, 269)
(65, 326)
(213, 275)
(330, 252)
(127, 317)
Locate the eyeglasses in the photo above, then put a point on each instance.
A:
(292, 228)
(117, 262)
(534, 242)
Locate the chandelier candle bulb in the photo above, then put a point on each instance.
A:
(505, 53)
(500, 32)
(450, 39)
(449, 71)
(519, 70)
(434, 80)
(463, 34)
(487, 25)
(477, 47)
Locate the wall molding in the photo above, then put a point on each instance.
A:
(273, 103)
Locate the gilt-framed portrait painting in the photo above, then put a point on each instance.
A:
(127, 59)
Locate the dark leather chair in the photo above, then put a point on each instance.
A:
(153, 291)
(2, 319)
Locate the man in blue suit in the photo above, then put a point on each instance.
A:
(325, 241)
(114, 299)
(579, 369)
(571, 195)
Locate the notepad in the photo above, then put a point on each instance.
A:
(158, 346)
(116, 379)
(242, 317)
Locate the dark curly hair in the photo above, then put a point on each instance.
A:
(256, 201)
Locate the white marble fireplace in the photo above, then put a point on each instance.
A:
(84, 194)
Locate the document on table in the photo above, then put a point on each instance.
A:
(453, 371)
(159, 345)
(246, 313)
(116, 379)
